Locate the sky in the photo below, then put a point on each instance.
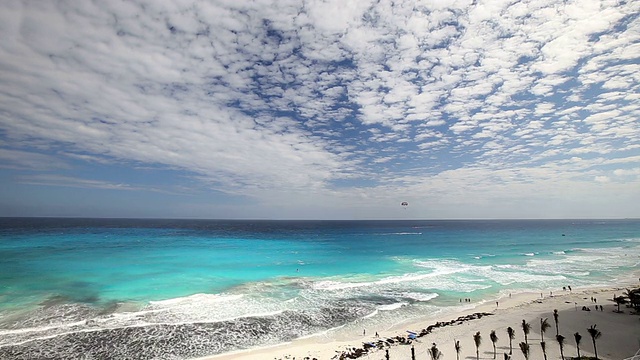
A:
(290, 109)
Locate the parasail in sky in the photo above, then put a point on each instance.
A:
(405, 204)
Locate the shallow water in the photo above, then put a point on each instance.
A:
(175, 289)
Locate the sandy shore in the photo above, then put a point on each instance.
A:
(620, 332)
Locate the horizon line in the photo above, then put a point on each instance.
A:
(269, 219)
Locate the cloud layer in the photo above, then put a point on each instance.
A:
(468, 105)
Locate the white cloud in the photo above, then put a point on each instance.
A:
(24, 160)
(260, 98)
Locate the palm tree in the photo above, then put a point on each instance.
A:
(434, 352)
(634, 298)
(543, 345)
(526, 327)
(512, 335)
(524, 347)
(494, 339)
(478, 340)
(619, 300)
(578, 337)
(544, 325)
(560, 340)
(595, 334)
(555, 318)
(458, 348)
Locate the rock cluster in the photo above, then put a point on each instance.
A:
(355, 353)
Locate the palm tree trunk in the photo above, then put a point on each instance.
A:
(510, 347)
(595, 350)
(578, 347)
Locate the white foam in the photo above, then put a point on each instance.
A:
(336, 285)
(394, 306)
(199, 299)
(598, 259)
(420, 296)
(468, 277)
(409, 277)
(208, 308)
(372, 314)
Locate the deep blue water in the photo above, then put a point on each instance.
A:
(81, 281)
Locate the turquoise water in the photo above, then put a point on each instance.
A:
(98, 284)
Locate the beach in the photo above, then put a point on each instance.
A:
(620, 331)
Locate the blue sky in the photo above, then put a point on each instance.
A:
(320, 109)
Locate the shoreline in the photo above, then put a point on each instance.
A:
(448, 326)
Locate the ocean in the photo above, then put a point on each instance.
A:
(180, 289)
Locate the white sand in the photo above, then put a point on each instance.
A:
(620, 332)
